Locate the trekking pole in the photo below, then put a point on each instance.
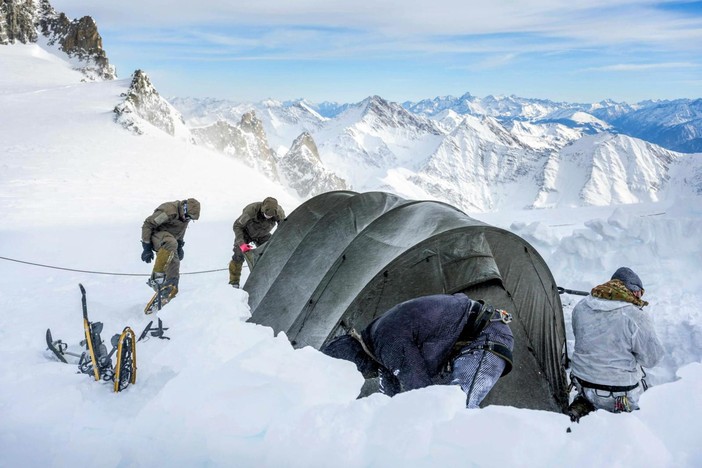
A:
(572, 291)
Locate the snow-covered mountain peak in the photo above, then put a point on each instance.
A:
(302, 169)
(606, 169)
(379, 113)
(143, 108)
(305, 142)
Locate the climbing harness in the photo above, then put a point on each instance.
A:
(357, 336)
(504, 316)
(485, 313)
(622, 404)
(644, 384)
(498, 349)
(606, 388)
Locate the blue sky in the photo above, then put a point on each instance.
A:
(344, 51)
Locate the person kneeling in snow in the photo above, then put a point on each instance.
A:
(612, 337)
(416, 343)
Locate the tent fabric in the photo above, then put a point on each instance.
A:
(343, 258)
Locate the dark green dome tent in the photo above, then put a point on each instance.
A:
(343, 258)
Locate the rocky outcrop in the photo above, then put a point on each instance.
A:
(302, 169)
(18, 22)
(245, 142)
(144, 107)
(27, 21)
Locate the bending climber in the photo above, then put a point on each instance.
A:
(613, 337)
(423, 341)
(163, 232)
(252, 229)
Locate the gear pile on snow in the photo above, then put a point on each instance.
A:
(95, 360)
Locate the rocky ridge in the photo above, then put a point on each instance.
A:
(32, 21)
(143, 108)
(302, 169)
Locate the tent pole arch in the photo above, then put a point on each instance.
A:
(374, 250)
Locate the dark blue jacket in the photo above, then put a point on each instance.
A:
(415, 339)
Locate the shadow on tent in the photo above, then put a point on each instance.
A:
(343, 258)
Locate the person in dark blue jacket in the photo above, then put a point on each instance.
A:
(422, 341)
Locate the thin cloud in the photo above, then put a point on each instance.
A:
(591, 21)
(637, 67)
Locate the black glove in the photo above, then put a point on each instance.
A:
(181, 254)
(148, 254)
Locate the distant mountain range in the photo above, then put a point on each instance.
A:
(675, 125)
(479, 154)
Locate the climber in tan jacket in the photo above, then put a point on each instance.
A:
(255, 224)
(163, 232)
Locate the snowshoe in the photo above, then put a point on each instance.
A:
(157, 331)
(95, 360)
(56, 347)
(125, 366)
(160, 298)
(88, 362)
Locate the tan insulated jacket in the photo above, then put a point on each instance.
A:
(167, 217)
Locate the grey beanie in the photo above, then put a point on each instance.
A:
(630, 279)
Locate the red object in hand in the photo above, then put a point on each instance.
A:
(245, 248)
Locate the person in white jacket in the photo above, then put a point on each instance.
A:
(614, 337)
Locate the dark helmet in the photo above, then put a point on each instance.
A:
(630, 279)
(191, 209)
(269, 207)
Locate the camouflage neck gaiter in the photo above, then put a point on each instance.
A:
(614, 290)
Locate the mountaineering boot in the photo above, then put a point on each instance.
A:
(158, 277)
(580, 407)
(156, 281)
(235, 273)
(162, 296)
(170, 287)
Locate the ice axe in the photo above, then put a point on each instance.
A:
(572, 291)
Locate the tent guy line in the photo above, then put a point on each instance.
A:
(100, 272)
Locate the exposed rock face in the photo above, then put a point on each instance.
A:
(143, 104)
(303, 171)
(25, 20)
(17, 22)
(245, 141)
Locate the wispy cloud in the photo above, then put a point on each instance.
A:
(586, 22)
(638, 67)
(536, 46)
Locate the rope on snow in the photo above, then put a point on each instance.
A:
(100, 272)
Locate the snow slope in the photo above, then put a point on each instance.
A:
(74, 190)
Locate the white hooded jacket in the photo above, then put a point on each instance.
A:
(611, 339)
